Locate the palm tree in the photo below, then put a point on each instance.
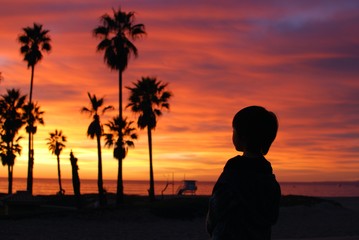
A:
(11, 109)
(120, 149)
(95, 129)
(32, 116)
(33, 41)
(116, 33)
(147, 99)
(56, 143)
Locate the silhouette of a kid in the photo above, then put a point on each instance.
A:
(245, 199)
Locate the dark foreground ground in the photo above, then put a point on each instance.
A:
(56, 217)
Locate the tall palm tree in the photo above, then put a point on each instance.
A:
(120, 148)
(33, 41)
(95, 129)
(56, 143)
(11, 109)
(147, 99)
(116, 33)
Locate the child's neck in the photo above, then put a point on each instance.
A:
(252, 154)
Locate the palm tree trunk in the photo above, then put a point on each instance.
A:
(151, 191)
(99, 177)
(59, 173)
(31, 82)
(119, 195)
(31, 151)
(10, 170)
(32, 156)
(30, 166)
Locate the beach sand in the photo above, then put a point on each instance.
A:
(170, 219)
(320, 221)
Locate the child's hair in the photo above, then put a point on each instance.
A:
(257, 127)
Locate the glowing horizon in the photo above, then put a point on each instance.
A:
(298, 59)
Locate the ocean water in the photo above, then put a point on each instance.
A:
(50, 186)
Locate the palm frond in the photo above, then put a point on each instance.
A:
(46, 47)
(119, 49)
(94, 129)
(104, 44)
(86, 110)
(56, 142)
(33, 39)
(128, 134)
(138, 30)
(107, 108)
(147, 98)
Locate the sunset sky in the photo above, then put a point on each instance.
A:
(299, 59)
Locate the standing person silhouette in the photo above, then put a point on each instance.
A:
(245, 199)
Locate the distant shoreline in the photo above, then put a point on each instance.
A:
(205, 181)
(49, 186)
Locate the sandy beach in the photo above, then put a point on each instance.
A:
(177, 219)
(320, 221)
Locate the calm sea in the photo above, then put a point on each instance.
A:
(50, 186)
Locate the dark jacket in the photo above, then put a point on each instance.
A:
(245, 200)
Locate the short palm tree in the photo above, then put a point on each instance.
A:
(56, 143)
(33, 41)
(95, 129)
(120, 148)
(11, 109)
(32, 116)
(147, 99)
(116, 33)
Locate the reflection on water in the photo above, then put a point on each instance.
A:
(50, 186)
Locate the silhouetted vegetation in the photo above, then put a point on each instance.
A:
(120, 150)
(95, 129)
(56, 143)
(148, 98)
(33, 41)
(11, 109)
(32, 116)
(116, 33)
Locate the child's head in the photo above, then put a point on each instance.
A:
(254, 129)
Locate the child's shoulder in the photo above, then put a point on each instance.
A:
(245, 164)
(233, 162)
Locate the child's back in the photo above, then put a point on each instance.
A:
(245, 200)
